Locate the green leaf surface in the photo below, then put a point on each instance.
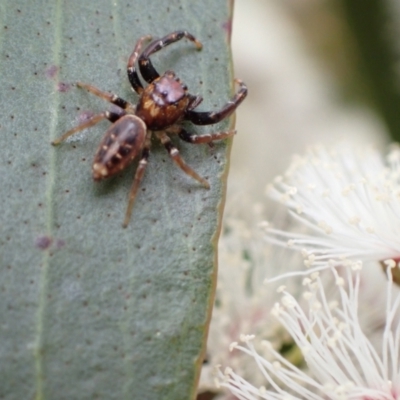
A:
(89, 310)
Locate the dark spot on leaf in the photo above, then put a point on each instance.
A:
(43, 242)
(227, 27)
(60, 243)
(51, 71)
(63, 87)
(85, 116)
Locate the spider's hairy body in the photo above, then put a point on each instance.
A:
(163, 102)
(161, 107)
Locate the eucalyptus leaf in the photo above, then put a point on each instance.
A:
(89, 310)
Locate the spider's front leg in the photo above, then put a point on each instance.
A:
(208, 118)
(147, 70)
(131, 69)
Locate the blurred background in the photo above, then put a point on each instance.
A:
(318, 71)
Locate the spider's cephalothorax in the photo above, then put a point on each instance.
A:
(162, 105)
(163, 102)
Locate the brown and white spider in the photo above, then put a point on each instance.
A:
(162, 105)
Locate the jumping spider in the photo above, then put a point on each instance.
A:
(162, 105)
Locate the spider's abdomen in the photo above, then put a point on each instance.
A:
(120, 145)
(163, 102)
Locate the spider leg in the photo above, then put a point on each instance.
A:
(194, 101)
(111, 116)
(208, 118)
(206, 138)
(110, 97)
(174, 154)
(132, 73)
(146, 67)
(138, 178)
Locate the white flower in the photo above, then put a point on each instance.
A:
(243, 302)
(342, 362)
(350, 201)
